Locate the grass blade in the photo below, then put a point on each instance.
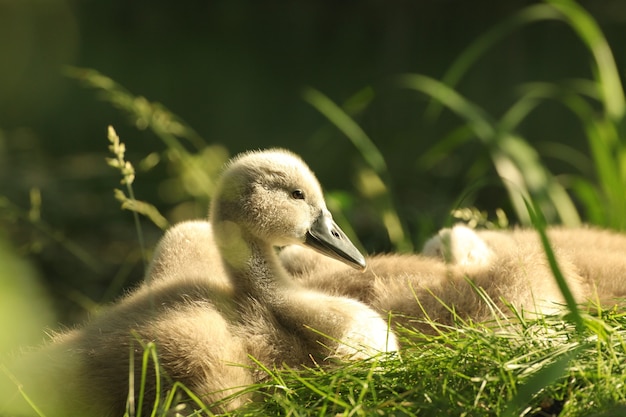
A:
(540, 225)
(378, 174)
(541, 379)
(482, 44)
(516, 162)
(608, 79)
(349, 127)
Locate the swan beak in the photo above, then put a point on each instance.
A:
(327, 238)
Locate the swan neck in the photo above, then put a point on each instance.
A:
(254, 267)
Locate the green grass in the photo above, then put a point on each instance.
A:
(473, 370)
(519, 166)
(510, 367)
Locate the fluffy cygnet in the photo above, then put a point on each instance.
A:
(592, 259)
(205, 318)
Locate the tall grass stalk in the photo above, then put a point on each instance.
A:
(539, 224)
(377, 183)
(516, 162)
(485, 42)
(118, 149)
(568, 11)
(603, 199)
(12, 212)
(199, 168)
(608, 81)
(144, 114)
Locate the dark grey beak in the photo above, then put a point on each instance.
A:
(327, 238)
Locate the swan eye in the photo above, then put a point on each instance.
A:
(297, 194)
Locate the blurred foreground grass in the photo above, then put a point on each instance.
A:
(26, 310)
(517, 367)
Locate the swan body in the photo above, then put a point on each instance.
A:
(206, 316)
(595, 256)
(460, 246)
(187, 251)
(508, 265)
(412, 287)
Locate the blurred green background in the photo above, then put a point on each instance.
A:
(235, 71)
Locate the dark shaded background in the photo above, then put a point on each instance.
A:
(234, 71)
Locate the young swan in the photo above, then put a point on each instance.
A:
(456, 261)
(412, 288)
(591, 259)
(272, 199)
(204, 330)
(459, 245)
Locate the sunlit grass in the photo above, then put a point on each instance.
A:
(520, 367)
(514, 366)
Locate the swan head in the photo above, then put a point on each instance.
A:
(272, 196)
